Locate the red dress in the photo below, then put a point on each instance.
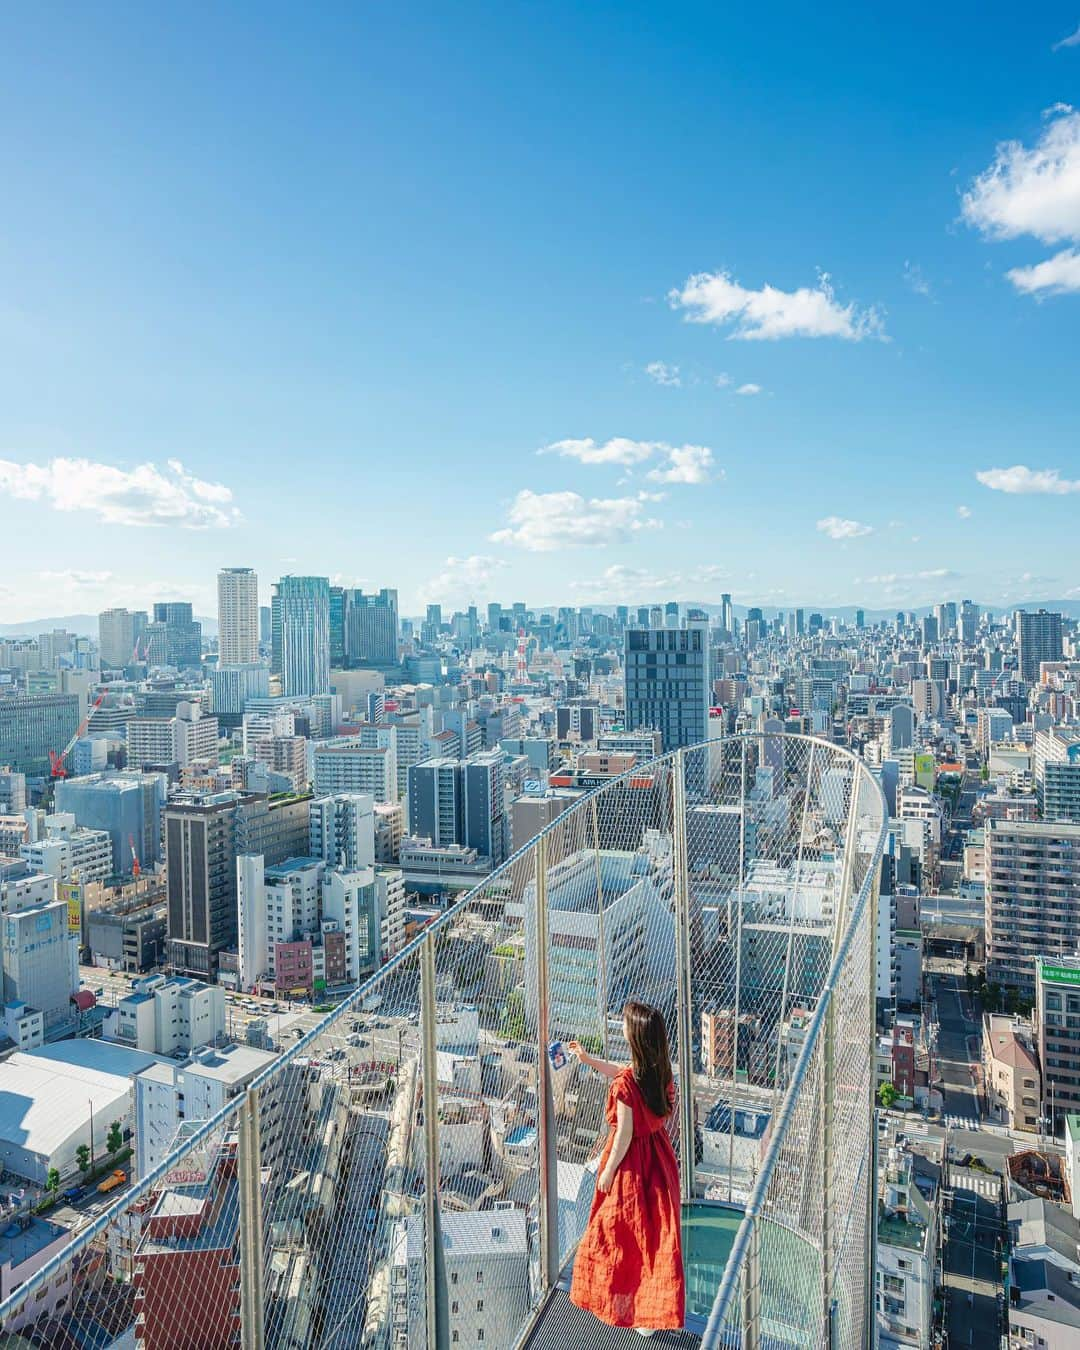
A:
(628, 1270)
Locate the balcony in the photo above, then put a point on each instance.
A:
(732, 885)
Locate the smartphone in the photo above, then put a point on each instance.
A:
(557, 1055)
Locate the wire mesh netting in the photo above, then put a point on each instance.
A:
(418, 1170)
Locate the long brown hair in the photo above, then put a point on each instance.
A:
(650, 1060)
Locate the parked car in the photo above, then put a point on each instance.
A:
(74, 1194)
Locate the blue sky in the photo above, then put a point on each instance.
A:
(308, 288)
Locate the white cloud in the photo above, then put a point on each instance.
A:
(964, 512)
(836, 527)
(72, 578)
(661, 373)
(686, 464)
(748, 389)
(723, 380)
(142, 496)
(1073, 40)
(618, 450)
(463, 580)
(620, 583)
(913, 276)
(714, 297)
(1054, 276)
(1034, 191)
(680, 463)
(1020, 480)
(892, 578)
(543, 522)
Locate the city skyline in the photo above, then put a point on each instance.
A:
(714, 336)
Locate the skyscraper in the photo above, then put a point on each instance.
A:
(339, 609)
(183, 634)
(118, 632)
(667, 683)
(372, 628)
(238, 616)
(1038, 638)
(727, 614)
(304, 607)
(969, 622)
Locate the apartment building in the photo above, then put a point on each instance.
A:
(1032, 897)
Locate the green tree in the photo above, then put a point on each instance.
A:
(513, 1022)
(114, 1142)
(52, 1181)
(82, 1157)
(887, 1095)
(969, 980)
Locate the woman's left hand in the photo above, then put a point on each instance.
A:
(605, 1181)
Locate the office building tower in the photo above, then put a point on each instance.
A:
(800, 622)
(372, 628)
(119, 630)
(434, 616)
(265, 625)
(304, 610)
(860, 618)
(339, 609)
(643, 616)
(656, 616)
(128, 806)
(482, 804)
(33, 724)
(1038, 638)
(232, 686)
(12, 792)
(435, 801)
(238, 616)
(727, 614)
(969, 623)
(1032, 897)
(1057, 773)
(1055, 1018)
(928, 630)
(183, 634)
(945, 615)
(40, 958)
(667, 683)
(671, 614)
(204, 835)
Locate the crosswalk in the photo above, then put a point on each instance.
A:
(982, 1184)
(962, 1122)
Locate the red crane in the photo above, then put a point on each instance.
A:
(56, 761)
(135, 868)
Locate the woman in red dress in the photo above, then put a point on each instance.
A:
(628, 1270)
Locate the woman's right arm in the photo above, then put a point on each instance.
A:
(605, 1066)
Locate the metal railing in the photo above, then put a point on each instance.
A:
(417, 1171)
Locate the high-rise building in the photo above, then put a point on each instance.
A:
(185, 739)
(304, 606)
(484, 817)
(232, 686)
(238, 616)
(667, 683)
(32, 725)
(204, 834)
(969, 623)
(265, 625)
(1057, 773)
(118, 632)
(1038, 638)
(183, 634)
(727, 614)
(1032, 897)
(372, 628)
(339, 609)
(126, 805)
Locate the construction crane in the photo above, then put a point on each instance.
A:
(56, 761)
(135, 868)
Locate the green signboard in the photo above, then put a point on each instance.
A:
(1060, 974)
(320, 986)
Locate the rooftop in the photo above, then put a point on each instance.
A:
(19, 1244)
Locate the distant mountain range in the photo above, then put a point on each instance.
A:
(84, 625)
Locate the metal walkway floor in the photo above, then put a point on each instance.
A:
(564, 1327)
